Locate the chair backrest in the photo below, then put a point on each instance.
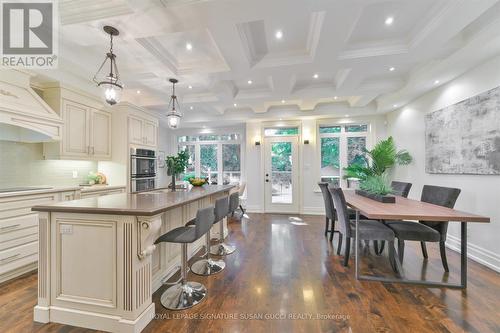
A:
(204, 220)
(221, 208)
(401, 189)
(341, 209)
(441, 196)
(327, 199)
(234, 201)
(242, 187)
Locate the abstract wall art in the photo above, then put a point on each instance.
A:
(464, 138)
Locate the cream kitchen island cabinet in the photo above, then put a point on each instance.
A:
(98, 266)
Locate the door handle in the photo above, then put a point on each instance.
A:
(267, 180)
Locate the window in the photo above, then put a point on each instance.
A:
(213, 156)
(341, 145)
(231, 163)
(281, 131)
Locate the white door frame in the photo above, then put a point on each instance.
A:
(294, 207)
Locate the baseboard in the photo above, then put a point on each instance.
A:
(18, 272)
(254, 209)
(313, 211)
(476, 253)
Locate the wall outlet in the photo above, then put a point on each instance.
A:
(66, 229)
(75, 174)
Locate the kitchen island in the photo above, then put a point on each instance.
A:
(98, 266)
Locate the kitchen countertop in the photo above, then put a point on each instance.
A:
(140, 204)
(50, 189)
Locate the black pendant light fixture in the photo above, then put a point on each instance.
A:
(110, 83)
(174, 114)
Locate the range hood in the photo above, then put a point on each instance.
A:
(24, 116)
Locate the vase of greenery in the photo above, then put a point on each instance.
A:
(177, 164)
(373, 172)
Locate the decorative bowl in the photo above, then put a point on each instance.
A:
(197, 181)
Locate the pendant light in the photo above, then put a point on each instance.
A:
(110, 84)
(174, 115)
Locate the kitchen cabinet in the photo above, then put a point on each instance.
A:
(86, 127)
(19, 229)
(142, 132)
(100, 191)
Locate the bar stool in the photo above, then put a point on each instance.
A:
(234, 202)
(206, 265)
(184, 294)
(221, 211)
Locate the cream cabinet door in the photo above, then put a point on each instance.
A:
(100, 137)
(76, 129)
(149, 133)
(135, 130)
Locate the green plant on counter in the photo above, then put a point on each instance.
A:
(378, 184)
(177, 164)
(380, 159)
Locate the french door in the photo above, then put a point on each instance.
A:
(281, 178)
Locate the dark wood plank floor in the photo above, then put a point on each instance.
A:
(287, 278)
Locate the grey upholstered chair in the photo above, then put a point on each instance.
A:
(183, 294)
(368, 230)
(400, 189)
(221, 211)
(329, 209)
(427, 231)
(234, 202)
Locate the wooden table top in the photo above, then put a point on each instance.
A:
(408, 209)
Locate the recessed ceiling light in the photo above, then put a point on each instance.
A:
(436, 82)
(346, 115)
(282, 101)
(394, 105)
(204, 126)
(191, 107)
(389, 20)
(335, 97)
(138, 91)
(278, 34)
(235, 105)
(189, 46)
(392, 69)
(249, 81)
(190, 87)
(315, 76)
(281, 119)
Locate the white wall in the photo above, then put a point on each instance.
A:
(311, 201)
(480, 193)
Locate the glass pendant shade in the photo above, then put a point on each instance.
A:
(173, 120)
(174, 115)
(110, 83)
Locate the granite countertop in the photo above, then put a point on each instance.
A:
(51, 189)
(139, 204)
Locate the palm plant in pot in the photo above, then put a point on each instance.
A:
(177, 164)
(373, 173)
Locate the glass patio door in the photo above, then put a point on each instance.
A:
(281, 175)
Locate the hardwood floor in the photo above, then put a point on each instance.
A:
(287, 277)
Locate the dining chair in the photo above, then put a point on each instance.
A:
(367, 230)
(329, 210)
(400, 189)
(425, 231)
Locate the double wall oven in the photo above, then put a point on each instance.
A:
(142, 169)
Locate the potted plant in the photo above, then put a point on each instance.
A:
(177, 164)
(376, 188)
(372, 174)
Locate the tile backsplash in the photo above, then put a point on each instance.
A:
(21, 164)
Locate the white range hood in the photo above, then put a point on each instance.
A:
(24, 116)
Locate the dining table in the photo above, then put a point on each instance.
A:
(405, 209)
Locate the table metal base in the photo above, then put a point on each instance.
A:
(431, 284)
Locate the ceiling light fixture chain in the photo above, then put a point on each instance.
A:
(174, 114)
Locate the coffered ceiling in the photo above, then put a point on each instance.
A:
(246, 59)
